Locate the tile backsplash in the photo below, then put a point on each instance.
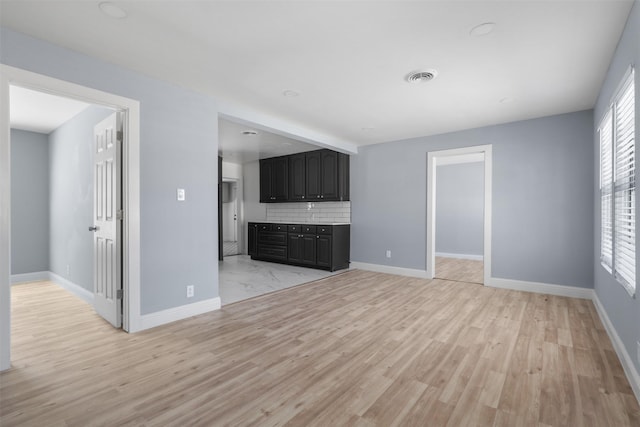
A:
(309, 212)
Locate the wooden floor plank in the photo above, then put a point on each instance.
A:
(359, 348)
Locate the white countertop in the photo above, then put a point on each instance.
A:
(265, 221)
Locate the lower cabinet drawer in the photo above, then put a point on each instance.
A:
(272, 238)
(274, 252)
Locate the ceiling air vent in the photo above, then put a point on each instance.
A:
(422, 76)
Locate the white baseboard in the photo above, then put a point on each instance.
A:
(37, 276)
(625, 358)
(378, 268)
(541, 288)
(460, 256)
(77, 290)
(169, 315)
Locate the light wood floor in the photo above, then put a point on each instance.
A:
(460, 270)
(358, 349)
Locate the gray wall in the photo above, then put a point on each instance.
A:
(460, 208)
(623, 310)
(29, 202)
(71, 197)
(542, 175)
(253, 209)
(178, 149)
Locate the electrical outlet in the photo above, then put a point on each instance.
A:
(388, 253)
(190, 291)
(181, 195)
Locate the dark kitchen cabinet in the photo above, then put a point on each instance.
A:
(323, 250)
(318, 246)
(320, 175)
(327, 176)
(313, 175)
(294, 248)
(252, 239)
(274, 179)
(302, 244)
(297, 177)
(302, 248)
(272, 242)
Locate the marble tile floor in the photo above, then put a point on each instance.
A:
(230, 248)
(242, 278)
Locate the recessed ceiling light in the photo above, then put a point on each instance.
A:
(249, 132)
(482, 29)
(291, 93)
(421, 76)
(112, 11)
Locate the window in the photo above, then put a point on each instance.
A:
(617, 186)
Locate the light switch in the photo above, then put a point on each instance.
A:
(181, 194)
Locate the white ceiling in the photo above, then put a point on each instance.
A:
(235, 147)
(41, 112)
(347, 60)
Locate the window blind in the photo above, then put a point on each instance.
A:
(606, 191)
(618, 186)
(625, 189)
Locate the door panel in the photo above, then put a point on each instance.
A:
(280, 179)
(294, 248)
(323, 254)
(266, 167)
(329, 175)
(313, 175)
(297, 178)
(107, 226)
(309, 252)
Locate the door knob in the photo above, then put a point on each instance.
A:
(94, 228)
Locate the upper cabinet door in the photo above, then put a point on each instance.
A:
(266, 168)
(280, 179)
(297, 177)
(314, 175)
(274, 180)
(329, 175)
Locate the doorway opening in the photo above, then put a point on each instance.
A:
(242, 144)
(459, 218)
(459, 214)
(130, 212)
(231, 204)
(66, 176)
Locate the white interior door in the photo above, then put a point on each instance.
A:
(234, 211)
(107, 220)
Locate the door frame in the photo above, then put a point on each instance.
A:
(433, 159)
(12, 76)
